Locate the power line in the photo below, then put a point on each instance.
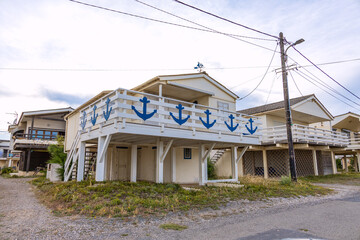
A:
(165, 22)
(227, 20)
(335, 62)
(272, 85)
(263, 76)
(213, 30)
(324, 84)
(325, 73)
(326, 91)
(294, 81)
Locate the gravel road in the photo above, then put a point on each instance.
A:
(23, 217)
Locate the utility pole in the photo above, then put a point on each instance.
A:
(287, 110)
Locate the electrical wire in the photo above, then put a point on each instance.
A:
(294, 81)
(326, 91)
(263, 76)
(272, 85)
(324, 84)
(165, 22)
(335, 62)
(227, 20)
(213, 30)
(326, 73)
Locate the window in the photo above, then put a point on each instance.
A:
(187, 153)
(223, 105)
(44, 134)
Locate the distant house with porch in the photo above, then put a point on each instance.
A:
(317, 137)
(4, 152)
(162, 131)
(31, 136)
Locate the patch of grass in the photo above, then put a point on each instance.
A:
(125, 199)
(285, 180)
(173, 226)
(304, 229)
(344, 178)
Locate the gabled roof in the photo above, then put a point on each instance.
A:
(185, 77)
(274, 106)
(349, 121)
(317, 113)
(44, 112)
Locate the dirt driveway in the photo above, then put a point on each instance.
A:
(23, 217)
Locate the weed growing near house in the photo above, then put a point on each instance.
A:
(285, 180)
(125, 199)
(344, 178)
(173, 226)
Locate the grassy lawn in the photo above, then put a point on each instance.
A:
(124, 199)
(344, 178)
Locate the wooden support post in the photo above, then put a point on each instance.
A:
(240, 161)
(265, 163)
(81, 163)
(173, 165)
(201, 165)
(10, 163)
(133, 163)
(346, 164)
(159, 163)
(100, 161)
(234, 163)
(28, 160)
(316, 171)
(32, 127)
(357, 162)
(333, 162)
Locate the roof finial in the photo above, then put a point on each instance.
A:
(199, 67)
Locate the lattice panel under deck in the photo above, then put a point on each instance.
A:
(278, 163)
(304, 163)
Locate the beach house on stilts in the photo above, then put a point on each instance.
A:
(162, 131)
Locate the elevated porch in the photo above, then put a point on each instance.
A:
(132, 120)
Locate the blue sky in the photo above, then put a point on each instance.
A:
(60, 34)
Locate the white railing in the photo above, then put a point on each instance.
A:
(118, 106)
(354, 143)
(305, 134)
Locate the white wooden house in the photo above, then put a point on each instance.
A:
(162, 130)
(317, 137)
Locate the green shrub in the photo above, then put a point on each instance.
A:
(285, 180)
(57, 155)
(211, 169)
(7, 170)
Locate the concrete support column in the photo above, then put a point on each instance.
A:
(316, 171)
(346, 164)
(133, 167)
(333, 162)
(159, 163)
(202, 165)
(28, 160)
(100, 164)
(81, 163)
(234, 165)
(173, 165)
(265, 163)
(9, 163)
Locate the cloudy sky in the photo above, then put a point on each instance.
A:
(59, 53)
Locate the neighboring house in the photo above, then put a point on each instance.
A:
(4, 152)
(349, 124)
(162, 130)
(315, 142)
(32, 134)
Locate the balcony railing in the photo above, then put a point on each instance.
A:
(354, 143)
(305, 134)
(36, 136)
(123, 106)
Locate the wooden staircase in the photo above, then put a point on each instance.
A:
(219, 153)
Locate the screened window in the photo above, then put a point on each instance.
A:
(187, 153)
(223, 105)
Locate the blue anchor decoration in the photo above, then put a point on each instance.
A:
(93, 120)
(251, 129)
(107, 114)
(231, 127)
(83, 122)
(143, 115)
(180, 120)
(207, 124)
